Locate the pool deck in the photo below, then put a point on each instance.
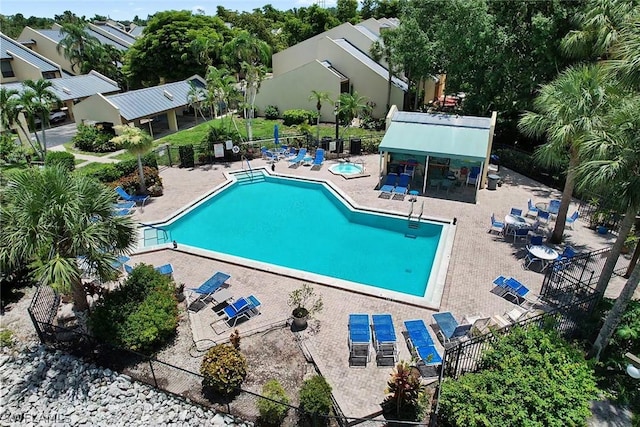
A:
(477, 258)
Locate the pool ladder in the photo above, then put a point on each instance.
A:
(361, 162)
(242, 161)
(414, 223)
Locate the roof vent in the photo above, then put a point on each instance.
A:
(168, 95)
(66, 90)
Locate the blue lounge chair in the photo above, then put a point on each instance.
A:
(403, 185)
(123, 212)
(270, 156)
(359, 339)
(384, 339)
(496, 226)
(518, 291)
(448, 327)
(166, 269)
(208, 288)
(531, 209)
(120, 262)
(129, 198)
(128, 268)
(473, 176)
(124, 205)
(572, 219)
(243, 308)
(319, 159)
(421, 342)
(389, 184)
(300, 157)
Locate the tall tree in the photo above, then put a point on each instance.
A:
(42, 99)
(195, 98)
(613, 154)
(319, 97)
(352, 106)
(75, 43)
(51, 217)
(567, 109)
(12, 109)
(347, 10)
(137, 142)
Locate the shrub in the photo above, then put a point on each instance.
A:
(271, 112)
(297, 117)
(110, 172)
(62, 158)
(272, 412)
(127, 167)
(130, 183)
(6, 338)
(529, 377)
(187, 158)
(8, 146)
(315, 397)
(90, 138)
(140, 315)
(224, 369)
(370, 145)
(405, 389)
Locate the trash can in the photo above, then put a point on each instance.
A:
(493, 182)
(324, 142)
(355, 146)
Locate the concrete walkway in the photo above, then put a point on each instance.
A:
(109, 158)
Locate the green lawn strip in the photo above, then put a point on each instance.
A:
(72, 149)
(91, 167)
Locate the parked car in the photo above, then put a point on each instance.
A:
(54, 117)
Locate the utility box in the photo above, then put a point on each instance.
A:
(355, 146)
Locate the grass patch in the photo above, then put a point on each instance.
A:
(91, 167)
(6, 338)
(73, 150)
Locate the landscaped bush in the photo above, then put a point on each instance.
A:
(406, 395)
(271, 112)
(126, 167)
(131, 182)
(272, 412)
(62, 158)
(371, 123)
(370, 145)
(528, 377)
(110, 172)
(187, 159)
(224, 369)
(90, 138)
(140, 315)
(315, 398)
(297, 117)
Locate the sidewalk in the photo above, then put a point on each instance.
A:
(89, 158)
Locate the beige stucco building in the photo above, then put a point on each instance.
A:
(140, 107)
(20, 63)
(336, 61)
(45, 41)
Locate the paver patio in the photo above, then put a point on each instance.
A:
(477, 258)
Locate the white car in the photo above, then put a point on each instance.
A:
(57, 116)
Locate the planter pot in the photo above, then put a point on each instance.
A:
(300, 323)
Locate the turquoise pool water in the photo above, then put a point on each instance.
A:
(303, 225)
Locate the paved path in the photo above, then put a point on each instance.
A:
(109, 158)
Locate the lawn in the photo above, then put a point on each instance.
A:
(73, 150)
(262, 129)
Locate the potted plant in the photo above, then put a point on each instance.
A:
(305, 303)
(180, 292)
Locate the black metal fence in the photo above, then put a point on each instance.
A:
(596, 211)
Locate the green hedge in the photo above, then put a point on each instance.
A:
(223, 369)
(315, 398)
(62, 158)
(297, 117)
(90, 138)
(140, 315)
(271, 112)
(110, 172)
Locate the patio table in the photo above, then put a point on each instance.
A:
(542, 253)
(544, 206)
(514, 221)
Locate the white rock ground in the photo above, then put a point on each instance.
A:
(40, 387)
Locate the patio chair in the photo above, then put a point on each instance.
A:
(572, 219)
(319, 159)
(119, 263)
(384, 339)
(124, 205)
(529, 258)
(208, 288)
(359, 339)
(420, 343)
(532, 211)
(496, 226)
(129, 198)
(300, 157)
(473, 176)
(535, 231)
(123, 212)
(243, 308)
(128, 269)
(403, 186)
(410, 167)
(554, 207)
(388, 185)
(516, 212)
(270, 156)
(520, 233)
(448, 327)
(166, 269)
(543, 216)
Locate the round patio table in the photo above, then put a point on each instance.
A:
(514, 221)
(545, 207)
(543, 253)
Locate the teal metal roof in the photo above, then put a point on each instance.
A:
(444, 136)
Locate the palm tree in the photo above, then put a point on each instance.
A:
(195, 97)
(568, 109)
(613, 155)
(137, 142)
(625, 53)
(383, 48)
(75, 43)
(253, 76)
(319, 96)
(7, 97)
(42, 98)
(11, 112)
(51, 217)
(351, 107)
(599, 29)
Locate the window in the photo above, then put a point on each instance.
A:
(49, 75)
(7, 70)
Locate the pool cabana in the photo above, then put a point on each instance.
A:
(445, 148)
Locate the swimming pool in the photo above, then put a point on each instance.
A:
(307, 227)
